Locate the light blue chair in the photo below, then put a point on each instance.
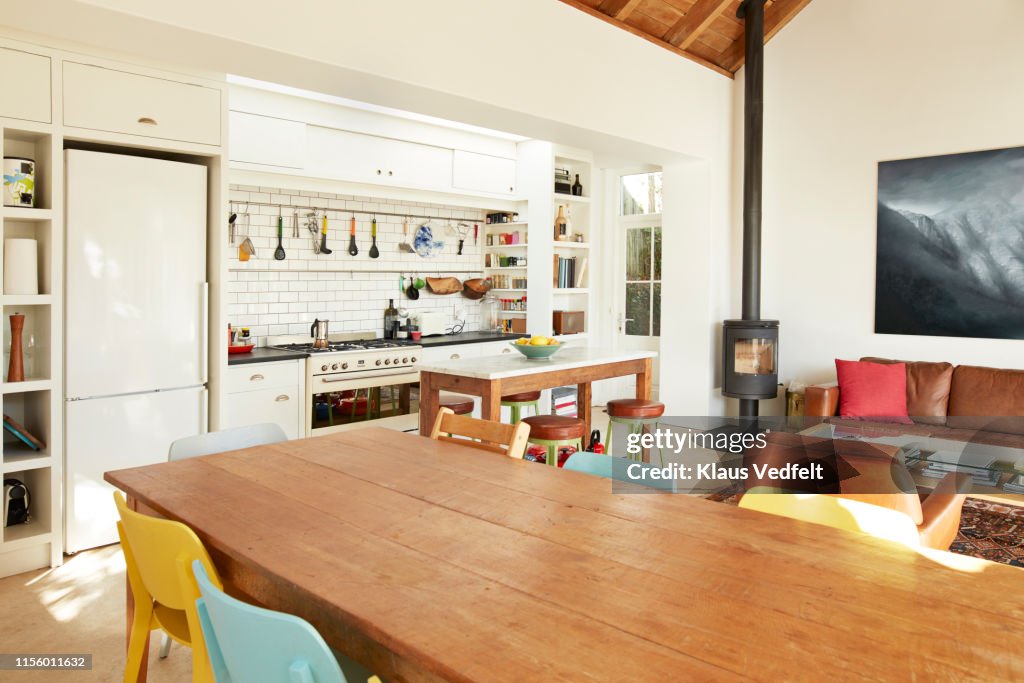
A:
(598, 464)
(248, 643)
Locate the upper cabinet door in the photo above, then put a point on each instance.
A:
(120, 102)
(266, 140)
(483, 173)
(362, 158)
(26, 85)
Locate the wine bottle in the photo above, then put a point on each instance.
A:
(390, 315)
(577, 188)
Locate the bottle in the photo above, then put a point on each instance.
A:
(577, 189)
(390, 316)
(561, 225)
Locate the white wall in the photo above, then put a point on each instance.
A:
(847, 84)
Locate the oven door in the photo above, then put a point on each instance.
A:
(352, 400)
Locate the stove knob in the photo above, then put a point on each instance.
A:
(379, 361)
(324, 367)
(344, 366)
(414, 359)
(334, 366)
(405, 360)
(387, 361)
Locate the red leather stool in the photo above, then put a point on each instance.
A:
(458, 404)
(637, 413)
(555, 431)
(516, 402)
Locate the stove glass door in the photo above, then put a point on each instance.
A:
(344, 407)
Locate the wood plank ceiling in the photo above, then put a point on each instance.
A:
(706, 31)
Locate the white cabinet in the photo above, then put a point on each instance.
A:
(266, 392)
(120, 102)
(266, 140)
(450, 352)
(495, 349)
(344, 155)
(483, 173)
(26, 85)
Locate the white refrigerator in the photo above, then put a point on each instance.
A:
(135, 325)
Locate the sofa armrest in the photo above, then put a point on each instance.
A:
(821, 400)
(941, 510)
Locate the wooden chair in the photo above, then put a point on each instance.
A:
(159, 554)
(482, 434)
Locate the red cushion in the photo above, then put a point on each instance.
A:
(873, 391)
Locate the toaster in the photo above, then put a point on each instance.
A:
(432, 322)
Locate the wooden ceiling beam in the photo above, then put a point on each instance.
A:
(646, 36)
(619, 9)
(776, 16)
(700, 17)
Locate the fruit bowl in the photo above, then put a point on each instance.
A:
(535, 352)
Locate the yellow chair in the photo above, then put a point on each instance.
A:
(839, 513)
(490, 434)
(159, 555)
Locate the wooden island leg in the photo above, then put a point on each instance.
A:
(490, 401)
(643, 381)
(430, 399)
(584, 397)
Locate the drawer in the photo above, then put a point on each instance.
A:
(453, 352)
(26, 89)
(281, 406)
(495, 349)
(257, 376)
(122, 102)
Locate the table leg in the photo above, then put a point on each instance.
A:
(643, 381)
(490, 401)
(129, 603)
(584, 397)
(430, 399)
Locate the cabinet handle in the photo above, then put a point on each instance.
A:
(282, 397)
(391, 173)
(148, 121)
(506, 350)
(455, 356)
(256, 378)
(378, 171)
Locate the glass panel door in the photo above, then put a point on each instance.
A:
(642, 282)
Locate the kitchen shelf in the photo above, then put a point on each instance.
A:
(27, 299)
(30, 531)
(16, 213)
(30, 384)
(508, 289)
(492, 247)
(571, 245)
(505, 268)
(571, 290)
(559, 197)
(19, 457)
(502, 225)
(511, 313)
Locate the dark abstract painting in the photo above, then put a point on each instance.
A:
(950, 255)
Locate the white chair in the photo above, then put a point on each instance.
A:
(220, 442)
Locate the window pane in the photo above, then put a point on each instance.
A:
(638, 307)
(638, 254)
(657, 253)
(656, 322)
(641, 194)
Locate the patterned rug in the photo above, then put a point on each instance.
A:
(991, 531)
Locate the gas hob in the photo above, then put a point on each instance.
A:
(377, 355)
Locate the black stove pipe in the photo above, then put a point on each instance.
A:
(752, 13)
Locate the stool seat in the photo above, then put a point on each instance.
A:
(522, 397)
(459, 404)
(635, 407)
(555, 427)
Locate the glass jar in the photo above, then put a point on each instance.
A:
(489, 319)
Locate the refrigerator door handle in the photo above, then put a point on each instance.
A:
(204, 351)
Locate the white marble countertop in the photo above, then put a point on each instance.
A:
(516, 365)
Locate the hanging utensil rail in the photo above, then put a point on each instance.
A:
(358, 211)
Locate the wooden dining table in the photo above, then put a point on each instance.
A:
(429, 561)
(491, 377)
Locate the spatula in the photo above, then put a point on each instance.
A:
(323, 238)
(374, 252)
(352, 248)
(279, 252)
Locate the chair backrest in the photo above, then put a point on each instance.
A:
(162, 552)
(248, 643)
(833, 511)
(226, 440)
(490, 434)
(597, 464)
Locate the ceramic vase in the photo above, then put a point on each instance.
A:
(16, 367)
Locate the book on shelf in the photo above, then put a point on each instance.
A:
(23, 435)
(564, 272)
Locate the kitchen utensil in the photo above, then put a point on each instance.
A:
(475, 288)
(295, 224)
(476, 233)
(401, 284)
(404, 244)
(323, 238)
(231, 227)
(313, 225)
(374, 252)
(412, 292)
(246, 249)
(420, 283)
(425, 244)
(279, 252)
(444, 285)
(536, 352)
(352, 248)
(319, 331)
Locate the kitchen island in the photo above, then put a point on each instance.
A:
(491, 377)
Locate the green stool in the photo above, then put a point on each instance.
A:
(516, 402)
(637, 414)
(555, 431)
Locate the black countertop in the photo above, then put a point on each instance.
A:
(466, 338)
(264, 355)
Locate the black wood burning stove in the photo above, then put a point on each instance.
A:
(750, 347)
(750, 359)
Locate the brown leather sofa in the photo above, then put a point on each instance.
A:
(877, 476)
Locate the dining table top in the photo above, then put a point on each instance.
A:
(426, 560)
(517, 365)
